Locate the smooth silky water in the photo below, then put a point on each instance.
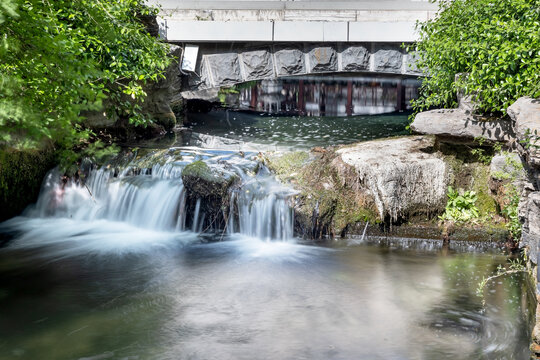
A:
(117, 268)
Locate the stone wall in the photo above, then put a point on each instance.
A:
(225, 64)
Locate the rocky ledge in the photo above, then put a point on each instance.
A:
(460, 126)
(397, 181)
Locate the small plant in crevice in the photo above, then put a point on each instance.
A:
(512, 173)
(482, 154)
(461, 207)
(510, 211)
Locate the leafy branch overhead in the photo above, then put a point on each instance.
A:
(496, 43)
(61, 58)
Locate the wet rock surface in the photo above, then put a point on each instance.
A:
(207, 189)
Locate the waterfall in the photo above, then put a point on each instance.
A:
(147, 192)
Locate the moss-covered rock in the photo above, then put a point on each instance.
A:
(210, 185)
(21, 174)
(389, 182)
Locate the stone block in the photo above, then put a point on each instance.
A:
(290, 62)
(323, 59)
(355, 58)
(258, 64)
(225, 68)
(388, 60)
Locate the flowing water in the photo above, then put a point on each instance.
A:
(126, 265)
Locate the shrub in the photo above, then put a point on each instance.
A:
(497, 43)
(60, 58)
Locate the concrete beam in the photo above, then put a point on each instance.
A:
(296, 5)
(217, 31)
(382, 32)
(286, 31)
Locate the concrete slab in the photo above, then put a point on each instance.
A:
(218, 30)
(382, 32)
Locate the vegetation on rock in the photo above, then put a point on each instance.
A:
(460, 207)
(496, 43)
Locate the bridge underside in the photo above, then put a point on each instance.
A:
(220, 64)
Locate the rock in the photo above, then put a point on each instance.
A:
(97, 119)
(290, 62)
(388, 60)
(210, 187)
(525, 113)
(258, 64)
(402, 174)
(355, 58)
(530, 214)
(323, 59)
(225, 68)
(165, 92)
(457, 126)
(203, 181)
(210, 95)
(506, 165)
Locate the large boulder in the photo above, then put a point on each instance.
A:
(525, 113)
(403, 175)
(459, 126)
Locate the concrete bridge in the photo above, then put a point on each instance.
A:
(230, 42)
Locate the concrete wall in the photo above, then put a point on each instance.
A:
(286, 31)
(287, 20)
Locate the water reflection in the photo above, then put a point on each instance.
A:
(330, 96)
(237, 300)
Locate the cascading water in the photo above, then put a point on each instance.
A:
(147, 192)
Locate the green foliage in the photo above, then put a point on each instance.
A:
(460, 207)
(510, 211)
(496, 43)
(483, 155)
(61, 58)
(531, 140)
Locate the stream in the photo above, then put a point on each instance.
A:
(122, 267)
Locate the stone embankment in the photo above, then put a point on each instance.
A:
(520, 132)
